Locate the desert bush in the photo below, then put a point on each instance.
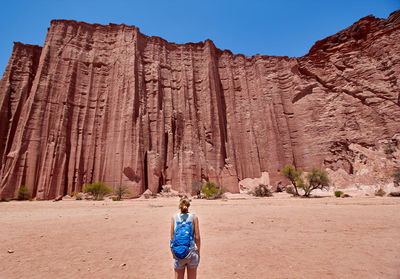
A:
(317, 179)
(294, 176)
(98, 190)
(394, 194)
(338, 194)
(78, 196)
(380, 192)
(116, 198)
(262, 190)
(212, 191)
(120, 191)
(23, 193)
(7, 199)
(389, 150)
(396, 176)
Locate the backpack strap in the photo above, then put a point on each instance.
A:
(190, 218)
(177, 219)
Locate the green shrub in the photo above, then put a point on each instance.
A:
(120, 191)
(262, 190)
(294, 176)
(380, 192)
(116, 198)
(23, 193)
(338, 194)
(394, 194)
(212, 191)
(98, 190)
(7, 199)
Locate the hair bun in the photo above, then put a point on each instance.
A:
(184, 204)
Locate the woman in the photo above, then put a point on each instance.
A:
(191, 261)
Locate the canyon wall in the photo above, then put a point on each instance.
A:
(107, 103)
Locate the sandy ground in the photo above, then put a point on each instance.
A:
(242, 237)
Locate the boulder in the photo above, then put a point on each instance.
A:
(148, 194)
(247, 185)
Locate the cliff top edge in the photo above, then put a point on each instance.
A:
(111, 26)
(393, 18)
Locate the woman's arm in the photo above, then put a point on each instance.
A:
(172, 227)
(197, 232)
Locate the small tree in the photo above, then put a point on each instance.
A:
(294, 176)
(317, 179)
(98, 190)
(396, 176)
(23, 192)
(120, 191)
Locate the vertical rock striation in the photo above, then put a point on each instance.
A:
(15, 88)
(107, 103)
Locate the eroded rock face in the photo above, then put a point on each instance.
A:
(107, 103)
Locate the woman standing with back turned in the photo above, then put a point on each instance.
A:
(185, 257)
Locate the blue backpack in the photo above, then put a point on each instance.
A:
(183, 236)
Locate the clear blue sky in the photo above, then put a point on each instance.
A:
(279, 27)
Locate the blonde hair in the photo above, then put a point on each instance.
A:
(184, 204)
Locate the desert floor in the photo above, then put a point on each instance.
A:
(242, 237)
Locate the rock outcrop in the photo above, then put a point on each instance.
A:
(107, 103)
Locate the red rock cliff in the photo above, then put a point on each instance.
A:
(107, 103)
